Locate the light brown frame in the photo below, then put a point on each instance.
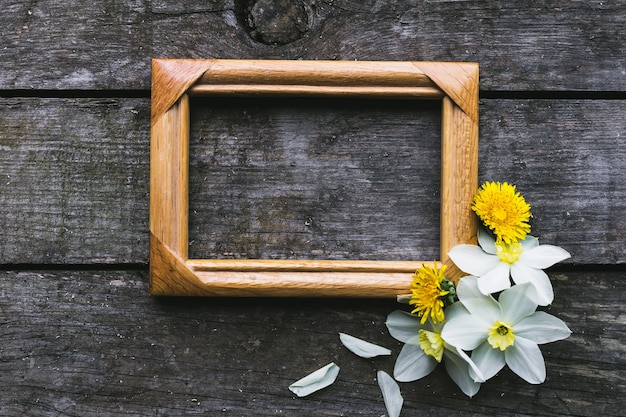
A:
(174, 80)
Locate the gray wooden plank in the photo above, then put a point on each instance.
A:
(570, 165)
(96, 44)
(315, 179)
(75, 179)
(93, 343)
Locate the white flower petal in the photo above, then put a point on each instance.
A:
(361, 347)
(391, 394)
(529, 243)
(454, 310)
(458, 369)
(471, 259)
(413, 364)
(477, 375)
(315, 381)
(541, 328)
(465, 331)
(516, 303)
(522, 273)
(478, 304)
(543, 256)
(489, 360)
(403, 326)
(404, 298)
(496, 280)
(525, 359)
(487, 241)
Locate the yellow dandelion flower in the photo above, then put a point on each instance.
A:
(503, 210)
(427, 293)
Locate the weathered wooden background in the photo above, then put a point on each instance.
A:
(79, 335)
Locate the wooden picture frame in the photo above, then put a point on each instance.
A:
(174, 80)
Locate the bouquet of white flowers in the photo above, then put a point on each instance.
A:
(475, 332)
(476, 326)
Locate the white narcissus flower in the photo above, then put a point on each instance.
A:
(492, 262)
(424, 349)
(501, 332)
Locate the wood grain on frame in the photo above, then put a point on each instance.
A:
(172, 273)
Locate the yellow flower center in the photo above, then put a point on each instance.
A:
(432, 344)
(499, 214)
(503, 210)
(501, 335)
(426, 293)
(509, 253)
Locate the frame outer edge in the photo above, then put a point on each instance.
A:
(170, 275)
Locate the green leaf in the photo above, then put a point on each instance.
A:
(362, 348)
(391, 394)
(315, 381)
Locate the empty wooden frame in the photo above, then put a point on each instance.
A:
(173, 81)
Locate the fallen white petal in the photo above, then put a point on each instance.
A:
(315, 381)
(361, 347)
(391, 394)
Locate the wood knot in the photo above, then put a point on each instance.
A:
(274, 22)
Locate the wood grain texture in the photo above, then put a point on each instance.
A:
(322, 73)
(170, 81)
(92, 343)
(549, 45)
(74, 179)
(575, 193)
(350, 174)
(74, 185)
(74, 191)
(459, 180)
(169, 177)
